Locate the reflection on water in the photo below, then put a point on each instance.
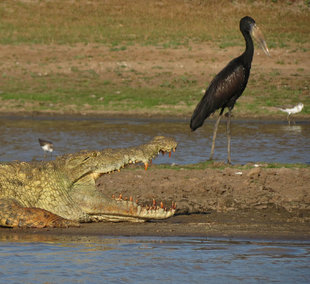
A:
(252, 141)
(150, 259)
(292, 128)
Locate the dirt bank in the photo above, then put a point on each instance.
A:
(34, 69)
(221, 190)
(215, 202)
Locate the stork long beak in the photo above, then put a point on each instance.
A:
(258, 35)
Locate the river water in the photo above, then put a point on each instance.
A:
(252, 141)
(43, 259)
(153, 260)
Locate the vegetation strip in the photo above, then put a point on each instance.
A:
(147, 57)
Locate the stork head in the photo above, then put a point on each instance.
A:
(248, 24)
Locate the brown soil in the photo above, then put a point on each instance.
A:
(228, 202)
(147, 67)
(202, 60)
(253, 201)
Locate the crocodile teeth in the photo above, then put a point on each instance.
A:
(139, 208)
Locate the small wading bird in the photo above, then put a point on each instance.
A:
(229, 84)
(47, 146)
(296, 109)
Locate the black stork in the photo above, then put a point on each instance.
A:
(229, 84)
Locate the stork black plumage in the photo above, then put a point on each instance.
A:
(229, 84)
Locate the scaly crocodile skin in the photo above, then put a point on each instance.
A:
(62, 192)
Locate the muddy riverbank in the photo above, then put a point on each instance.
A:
(215, 202)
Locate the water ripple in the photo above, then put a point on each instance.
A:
(252, 141)
(149, 260)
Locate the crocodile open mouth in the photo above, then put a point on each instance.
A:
(125, 208)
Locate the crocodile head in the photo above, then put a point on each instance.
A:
(85, 167)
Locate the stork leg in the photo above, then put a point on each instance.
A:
(214, 134)
(228, 136)
(289, 119)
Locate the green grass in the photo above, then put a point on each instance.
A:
(289, 166)
(88, 88)
(120, 25)
(222, 166)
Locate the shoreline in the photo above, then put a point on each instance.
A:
(196, 225)
(138, 115)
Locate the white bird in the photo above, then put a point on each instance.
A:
(296, 109)
(47, 146)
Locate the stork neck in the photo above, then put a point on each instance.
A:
(249, 49)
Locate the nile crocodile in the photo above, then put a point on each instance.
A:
(62, 192)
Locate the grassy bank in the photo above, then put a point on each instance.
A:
(147, 56)
(223, 165)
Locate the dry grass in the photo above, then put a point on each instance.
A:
(146, 55)
(121, 21)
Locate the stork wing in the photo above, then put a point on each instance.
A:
(223, 92)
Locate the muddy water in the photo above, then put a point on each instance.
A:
(44, 259)
(153, 260)
(252, 141)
